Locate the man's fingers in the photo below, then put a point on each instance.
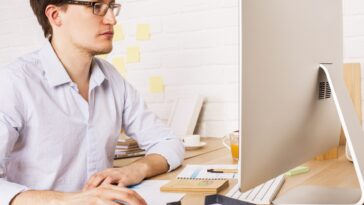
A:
(124, 188)
(123, 194)
(95, 181)
(108, 181)
(87, 185)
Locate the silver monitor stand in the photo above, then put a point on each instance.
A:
(355, 141)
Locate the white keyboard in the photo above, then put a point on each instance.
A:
(262, 194)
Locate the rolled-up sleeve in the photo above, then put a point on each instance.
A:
(149, 131)
(10, 124)
(9, 190)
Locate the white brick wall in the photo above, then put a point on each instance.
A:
(19, 33)
(193, 46)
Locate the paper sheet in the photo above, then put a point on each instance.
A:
(143, 32)
(119, 64)
(200, 172)
(118, 33)
(133, 55)
(150, 191)
(156, 84)
(104, 56)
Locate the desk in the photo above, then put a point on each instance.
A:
(338, 172)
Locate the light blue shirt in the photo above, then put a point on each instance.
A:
(52, 139)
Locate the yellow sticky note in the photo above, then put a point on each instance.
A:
(133, 55)
(143, 32)
(104, 56)
(118, 33)
(156, 84)
(119, 64)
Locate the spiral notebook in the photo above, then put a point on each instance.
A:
(200, 172)
(196, 178)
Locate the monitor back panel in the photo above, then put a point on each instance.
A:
(283, 121)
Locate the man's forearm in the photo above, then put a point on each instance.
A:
(38, 197)
(104, 195)
(151, 165)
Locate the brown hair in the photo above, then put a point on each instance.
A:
(39, 7)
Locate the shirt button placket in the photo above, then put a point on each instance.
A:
(92, 142)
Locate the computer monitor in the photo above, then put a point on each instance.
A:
(288, 114)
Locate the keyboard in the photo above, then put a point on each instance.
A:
(262, 194)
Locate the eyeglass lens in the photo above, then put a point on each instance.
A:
(101, 9)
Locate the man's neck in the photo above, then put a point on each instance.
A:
(76, 62)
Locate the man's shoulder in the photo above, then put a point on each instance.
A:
(25, 66)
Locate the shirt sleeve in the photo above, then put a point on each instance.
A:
(10, 124)
(149, 131)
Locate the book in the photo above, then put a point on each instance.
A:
(192, 185)
(127, 155)
(118, 151)
(127, 147)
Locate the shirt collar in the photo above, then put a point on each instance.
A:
(97, 75)
(55, 72)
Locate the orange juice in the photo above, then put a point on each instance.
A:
(235, 151)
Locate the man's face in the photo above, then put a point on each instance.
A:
(87, 31)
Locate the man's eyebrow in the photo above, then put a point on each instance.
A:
(103, 1)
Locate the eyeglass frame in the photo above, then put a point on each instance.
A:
(92, 4)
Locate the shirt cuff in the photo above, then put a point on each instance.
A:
(9, 190)
(172, 150)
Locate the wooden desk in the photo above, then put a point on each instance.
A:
(212, 144)
(338, 172)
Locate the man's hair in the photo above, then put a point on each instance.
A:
(39, 7)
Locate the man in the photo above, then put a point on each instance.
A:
(61, 112)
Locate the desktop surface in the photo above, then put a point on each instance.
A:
(333, 173)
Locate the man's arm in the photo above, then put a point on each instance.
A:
(103, 195)
(11, 122)
(165, 150)
(36, 197)
(149, 131)
(134, 173)
(153, 164)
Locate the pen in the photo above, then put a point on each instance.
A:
(222, 170)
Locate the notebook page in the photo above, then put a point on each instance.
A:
(200, 172)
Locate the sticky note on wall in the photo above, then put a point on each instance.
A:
(132, 55)
(119, 64)
(143, 32)
(104, 56)
(118, 33)
(156, 84)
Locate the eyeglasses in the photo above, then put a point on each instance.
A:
(99, 9)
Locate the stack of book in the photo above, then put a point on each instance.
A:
(127, 148)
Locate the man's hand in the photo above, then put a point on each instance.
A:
(122, 177)
(134, 173)
(103, 195)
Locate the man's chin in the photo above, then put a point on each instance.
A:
(102, 51)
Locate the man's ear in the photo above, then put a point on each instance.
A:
(53, 14)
